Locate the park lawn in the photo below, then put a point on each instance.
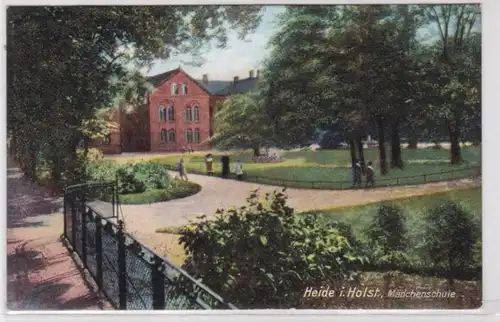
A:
(331, 168)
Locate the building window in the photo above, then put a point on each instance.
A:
(184, 89)
(196, 113)
(197, 135)
(189, 114)
(171, 135)
(162, 113)
(163, 135)
(106, 140)
(175, 89)
(189, 135)
(170, 113)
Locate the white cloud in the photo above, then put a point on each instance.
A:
(235, 60)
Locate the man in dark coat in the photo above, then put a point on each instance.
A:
(225, 165)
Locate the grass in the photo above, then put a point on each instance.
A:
(178, 189)
(330, 169)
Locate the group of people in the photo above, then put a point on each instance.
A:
(370, 175)
(209, 159)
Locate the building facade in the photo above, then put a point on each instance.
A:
(178, 115)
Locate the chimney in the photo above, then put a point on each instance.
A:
(258, 73)
(250, 73)
(236, 79)
(205, 78)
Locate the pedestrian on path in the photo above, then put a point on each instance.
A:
(209, 164)
(370, 175)
(238, 170)
(357, 175)
(225, 165)
(182, 170)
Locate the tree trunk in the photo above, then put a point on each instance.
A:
(256, 151)
(381, 146)
(352, 149)
(455, 153)
(413, 141)
(361, 153)
(396, 159)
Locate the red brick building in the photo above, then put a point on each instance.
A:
(178, 114)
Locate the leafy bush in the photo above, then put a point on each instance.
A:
(261, 256)
(387, 235)
(102, 170)
(154, 175)
(177, 189)
(451, 237)
(128, 183)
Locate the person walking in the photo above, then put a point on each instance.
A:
(182, 170)
(209, 164)
(238, 170)
(357, 174)
(370, 175)
(225, 165)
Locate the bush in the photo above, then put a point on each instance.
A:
(178, 189)
(154, 175)
(387, 234)
(451, 238)
(261, 256)
(128, 183)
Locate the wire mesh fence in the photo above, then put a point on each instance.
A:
(454, 174)
(132, 276)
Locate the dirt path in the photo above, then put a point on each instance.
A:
(40, 272)
(143, 220)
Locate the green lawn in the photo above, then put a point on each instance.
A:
(330, 169)
(360, 217)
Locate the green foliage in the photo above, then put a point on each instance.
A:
(128, 182)
(259, 256)
(176, 189)
(154, 175)
(242, 123)
(451, 236)
(387, 235)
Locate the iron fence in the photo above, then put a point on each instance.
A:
(454, 174)
(131, 275)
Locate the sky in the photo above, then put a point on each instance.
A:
(235, 60)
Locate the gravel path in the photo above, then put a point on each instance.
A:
(41, 274)
(143, 220)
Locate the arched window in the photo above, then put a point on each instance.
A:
(197, 135)
(171, 135)
(175, 89)
(163, 135)
(170, 113)
(184, 89)
(161, 113)
(189, 114)
(196, 113)
(189, 135)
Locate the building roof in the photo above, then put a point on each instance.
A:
(241, 86)
(213, 87)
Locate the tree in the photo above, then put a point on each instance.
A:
(450, 237)
(457, 56)
(64, 63)
(242, 123)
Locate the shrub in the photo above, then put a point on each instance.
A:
(260, 255)
(102, 170)
(128, 183)
(450, 237)
(154, 175)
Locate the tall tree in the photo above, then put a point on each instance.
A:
(242, 123)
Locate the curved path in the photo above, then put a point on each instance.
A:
(143, 220)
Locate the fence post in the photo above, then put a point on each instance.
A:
(158, 283)
(122, 266)
(84, 234)
(73, 224)
(65, 213)
(98, 250)
(397, 181)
